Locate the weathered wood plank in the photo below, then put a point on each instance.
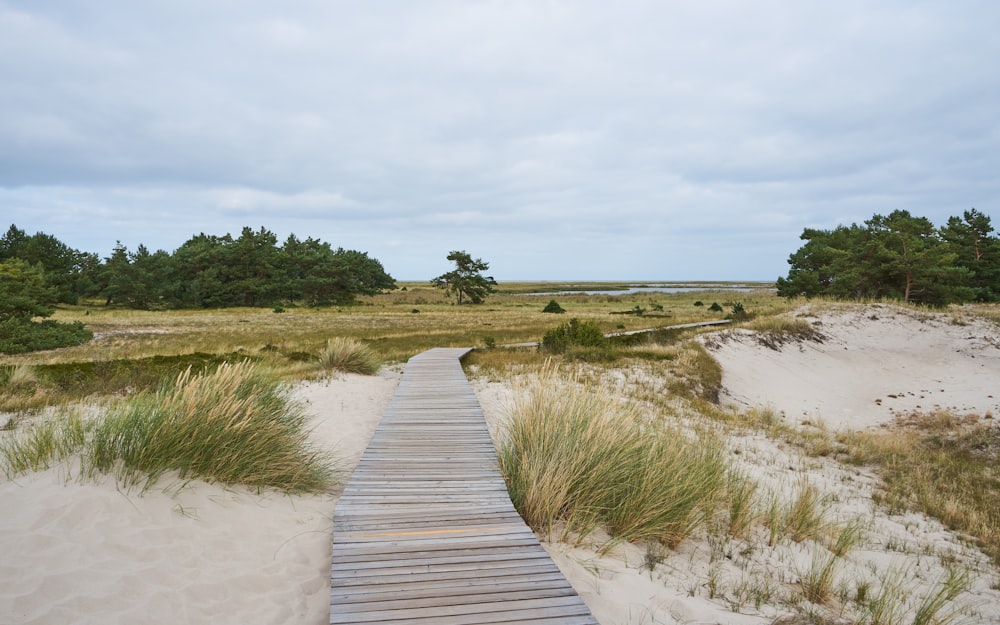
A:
(424, 531)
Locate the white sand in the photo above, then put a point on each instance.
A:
(877, 362)
(86, 553)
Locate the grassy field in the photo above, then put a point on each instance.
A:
(395, 325)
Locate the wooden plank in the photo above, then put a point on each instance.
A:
(424, 531)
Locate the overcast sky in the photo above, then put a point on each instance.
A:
(627, 140)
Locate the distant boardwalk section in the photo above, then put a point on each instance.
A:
(425, 531)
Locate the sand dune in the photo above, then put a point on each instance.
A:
(194, 553)
(875, 363)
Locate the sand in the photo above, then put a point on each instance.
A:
(876, 363)
(194, 553)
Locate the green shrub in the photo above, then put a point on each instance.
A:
(553, 307)
(715, 307)
(18, 336)
(739, 312)
(576, 333)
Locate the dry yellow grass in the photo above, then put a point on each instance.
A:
(396, 325)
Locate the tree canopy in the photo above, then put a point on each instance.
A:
(899, 256)
(24, 295)
(466, 280)
(207, 271)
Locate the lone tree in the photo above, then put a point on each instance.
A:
(467, 279)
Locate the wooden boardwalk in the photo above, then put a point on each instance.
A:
(680, 326)
(425, 532)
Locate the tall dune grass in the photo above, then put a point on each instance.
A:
(235, 425)
(577, 457)
(941, 464)
(349, 355)
(42, 443)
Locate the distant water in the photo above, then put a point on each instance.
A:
(655, 288)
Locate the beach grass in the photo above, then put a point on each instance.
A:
(576, 457)
(348, 355)
(743, 505)
(236, 425)
(46, 441)
(941, 464)
(817, 581)
(775, 331)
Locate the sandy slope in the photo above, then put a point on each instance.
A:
(197, 553)
(869, 354)
(875, 362)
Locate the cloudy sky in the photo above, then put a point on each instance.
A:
(577, 139)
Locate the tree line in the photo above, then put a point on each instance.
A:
(899, 256)
(207, 271)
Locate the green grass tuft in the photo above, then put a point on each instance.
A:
(817, 582)
(42, 443)
(741, 491)
(578, 457)
(348, 355)
(236, 425)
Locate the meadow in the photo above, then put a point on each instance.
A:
(397, 325)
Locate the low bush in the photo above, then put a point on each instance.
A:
(106, 377)
(553, 307)
(591, 354)
(576, 333)
(18, 336)
(739, 312)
